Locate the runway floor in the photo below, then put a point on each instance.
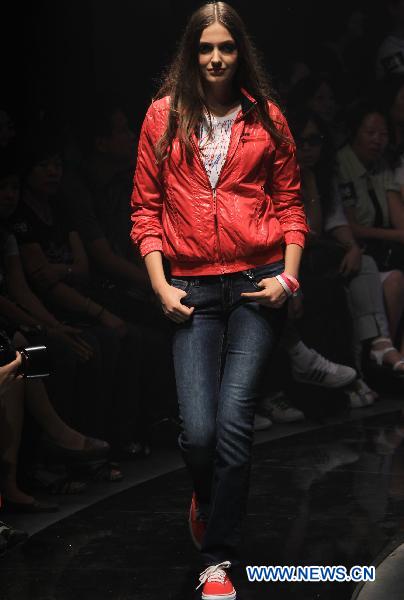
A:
(329, 496)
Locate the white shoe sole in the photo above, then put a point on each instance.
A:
(223, 597)
(332, 385)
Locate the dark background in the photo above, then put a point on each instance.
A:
(63, 55)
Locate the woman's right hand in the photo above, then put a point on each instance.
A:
(72, 338)
(113, 322)
(170, 299)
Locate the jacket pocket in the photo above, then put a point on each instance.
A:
(259, 212)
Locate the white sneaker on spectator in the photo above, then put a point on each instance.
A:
(322, 372)
(360, 394)
(279, 410)
(261, 423)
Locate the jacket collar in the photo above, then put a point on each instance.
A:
(247, 101)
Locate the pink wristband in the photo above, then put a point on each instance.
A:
(289, 283)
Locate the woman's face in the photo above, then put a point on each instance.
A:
(397, 110)
(44, 179)
(9, 195)
(217, 55)
(371, 138)
(309, 145)
(120, 143)
(323, 103)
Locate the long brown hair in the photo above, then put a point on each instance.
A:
(182, 82)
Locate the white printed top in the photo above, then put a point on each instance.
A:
(214, 148)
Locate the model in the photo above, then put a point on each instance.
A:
(217, 193)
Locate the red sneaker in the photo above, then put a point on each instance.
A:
(197, 524)
(216, 583)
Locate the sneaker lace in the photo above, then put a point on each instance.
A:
(214, 573)
(324, 364)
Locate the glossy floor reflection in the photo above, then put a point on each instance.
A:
(333, 496)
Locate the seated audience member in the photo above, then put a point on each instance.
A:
(56, 263)
(316, 93)
(357, 272)
(392, 104)
(16, 316)
(107, 169)
(374, 209)
(66, 441)
(390, 56)
(97, 192)
(9, 536)
(292, 71)
(97, 189)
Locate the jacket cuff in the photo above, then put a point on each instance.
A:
(295, 237)
(150, 244)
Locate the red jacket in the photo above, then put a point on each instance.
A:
(244, 222)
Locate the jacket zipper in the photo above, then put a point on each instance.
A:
(217, 225)
(214, 189)
(215, 220)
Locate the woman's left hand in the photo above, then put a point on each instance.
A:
(272, 295)
(351, 263)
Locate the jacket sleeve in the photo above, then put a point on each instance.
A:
(147, 195)
(284, 186)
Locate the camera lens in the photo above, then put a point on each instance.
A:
(35, 362)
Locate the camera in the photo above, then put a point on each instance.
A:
(34, 361)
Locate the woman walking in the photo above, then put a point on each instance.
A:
(216, 192)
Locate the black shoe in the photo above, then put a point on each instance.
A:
(93, 449)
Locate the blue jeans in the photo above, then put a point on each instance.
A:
(220, 355)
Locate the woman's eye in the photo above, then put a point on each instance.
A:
(228, 48)
(205, 48)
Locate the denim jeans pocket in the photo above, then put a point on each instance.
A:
(181, 284)
(264, 271)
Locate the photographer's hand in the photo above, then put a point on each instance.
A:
(8, 373)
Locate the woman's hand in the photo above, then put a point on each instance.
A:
(72, 338)
(113, 322)
(170, 299)
(272, 295)
(8, 373)
(50, 275)
(351, 262)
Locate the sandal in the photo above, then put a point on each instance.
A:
(376, 358)
(55, 481)
(102, 471)
(93, 449)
